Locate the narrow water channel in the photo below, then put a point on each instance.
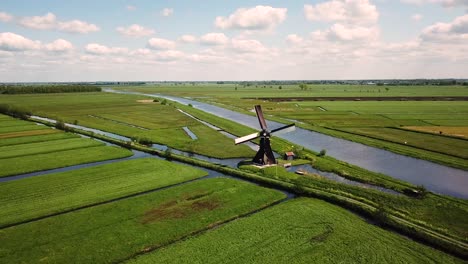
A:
(435, 177)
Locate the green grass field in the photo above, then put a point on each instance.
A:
(299, 231)
(117, 231)
(57, 135)
(26, 147)
(229, 90)
(35, 197)
(434, 211)
(161, 123)
(46, 147)
(60, 159)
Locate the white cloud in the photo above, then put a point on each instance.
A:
(135, 30)
(131, 8)
(256, 18)
(98, 49)
(170, 55)
(416, 17)
(188, 39)
(49, 21)
(348, 11)
(59, 45)
(161, 44)
(141, 52)
(350, 33)
(214, 39)
(294, 39)
(248, 46)
(77, 26)
(444, 3)
(457, 30)
(13, 42)
(167, 12)
(5, 17)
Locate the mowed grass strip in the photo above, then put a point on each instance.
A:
(35, 197)
(14, 122)
(302, 230)
(28, 133)
(55, 135)
(445, 130)
(113, 232)
(446, 145)
(59, 159)
(46, 147)
(21, 128)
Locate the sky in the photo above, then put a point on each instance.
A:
(211, 40)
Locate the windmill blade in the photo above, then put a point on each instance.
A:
(246, 138)
(284, 129)
(260, 117)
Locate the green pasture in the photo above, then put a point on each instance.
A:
(28, 127)
(46, 147)
(59, 159)
(34, 197)
(25, 149)
(117, 231)
(57, 135)
(229, 90)
(446, 145)
(159, 122)
(302, 230)
(434, 211)
(13, 123)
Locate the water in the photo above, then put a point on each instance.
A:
(190, 133)
(435, 177)
(337, 178)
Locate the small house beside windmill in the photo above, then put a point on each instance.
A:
(264, 155)
(289, 155)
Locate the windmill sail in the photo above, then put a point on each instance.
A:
(246, 138)
(284, 129)
(261, 119)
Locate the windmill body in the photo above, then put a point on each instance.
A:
(264, 155)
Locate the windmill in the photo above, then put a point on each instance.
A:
(264, 155)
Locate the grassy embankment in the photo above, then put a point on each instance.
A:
(348, 119)
(158, 122)
(117, 231)
(28, 148)
(51, 194)
(303, 230)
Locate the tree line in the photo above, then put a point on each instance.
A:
(33, 89)
(15, 111)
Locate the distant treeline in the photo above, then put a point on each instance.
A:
(416, 82)
(33, 89)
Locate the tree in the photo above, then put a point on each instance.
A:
(60, 125)
(168, 153)
(322, 153)
(303, 86)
